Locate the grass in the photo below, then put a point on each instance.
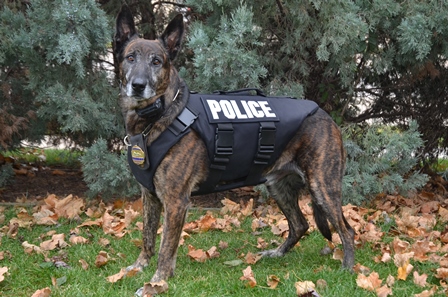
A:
(29, 273)
(48, 157)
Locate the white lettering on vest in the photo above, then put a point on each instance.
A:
(232, 109)
(253, 105)
(214, 108)
(267, 109)
(239, 115)
(247, 110)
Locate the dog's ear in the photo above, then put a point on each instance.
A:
(172, 36)
(124, 30)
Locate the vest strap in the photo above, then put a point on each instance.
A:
(223, 151)
(266, 144)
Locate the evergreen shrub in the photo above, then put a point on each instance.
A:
(107, 175)
(381, 159)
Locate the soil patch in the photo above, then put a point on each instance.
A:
(36, 183)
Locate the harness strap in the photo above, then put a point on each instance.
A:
(266, 144)
(183, 121)
(223, 151)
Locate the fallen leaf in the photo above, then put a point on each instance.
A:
(29, 248)
(3, 271)
(427, 293)
(273, 281)
(223, 245)
(420, 280)
(383, 291)
(212, 253)
(75, 239)
(206, 222)
(252, 258)
(57, 241)
(370, 283)
(442, 273)
(101, 259)
(84, 264)
(42, 293)
(116, 277)
(197, 255)
(70, 207)
(249, 276)
(403, 271)
(304, 287)
(155, 288)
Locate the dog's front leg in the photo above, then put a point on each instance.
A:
(152, 208)
(175, 212)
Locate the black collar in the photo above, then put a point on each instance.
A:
(153, 111)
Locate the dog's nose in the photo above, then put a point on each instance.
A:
(138, 85)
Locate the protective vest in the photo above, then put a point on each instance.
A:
(243, 133)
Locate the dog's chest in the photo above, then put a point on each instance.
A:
(243, 134)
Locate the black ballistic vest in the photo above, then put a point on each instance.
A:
(243, 134)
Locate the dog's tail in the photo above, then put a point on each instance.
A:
(321, 221)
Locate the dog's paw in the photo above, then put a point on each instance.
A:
(134, 269)
(271, 253)
(139, 292)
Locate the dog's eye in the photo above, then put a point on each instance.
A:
(130, 58)
(156, 62)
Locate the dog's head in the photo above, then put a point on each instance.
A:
(145, 65)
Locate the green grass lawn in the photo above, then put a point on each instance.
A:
(30, 272)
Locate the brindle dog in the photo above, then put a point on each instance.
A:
(314, 157)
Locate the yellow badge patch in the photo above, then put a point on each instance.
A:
(138, 155)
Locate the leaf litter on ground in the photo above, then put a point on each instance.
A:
(413, 219)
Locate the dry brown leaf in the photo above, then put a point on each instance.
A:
(13, 230)
(154, 288)
(116, 277)
(420, 280)
(390, 281)
(400, 246)
(70, 207)
(403, 271)
(338, 254)
(443, 215)
(45, 217)
(229, 206)
(29, 248)
(223, 245)
(213, 253)
(206, 222)
(84, 264)
(249, 276)
(248, 209)
(101, 259)
(272, 281)
(383, 291)
(358, 268)
(42, 293)
(370, 283)
(75, 239)
(304, 287)
(427, 293)
(261, 243)
(197, 255)
(3, 272)
(442, 273)
(252, 258)
(56, 241)
(104, 242)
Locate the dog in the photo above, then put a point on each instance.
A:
(314, 157)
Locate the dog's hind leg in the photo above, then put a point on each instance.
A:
(152, 208)
(285, 186)
(327, 205)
